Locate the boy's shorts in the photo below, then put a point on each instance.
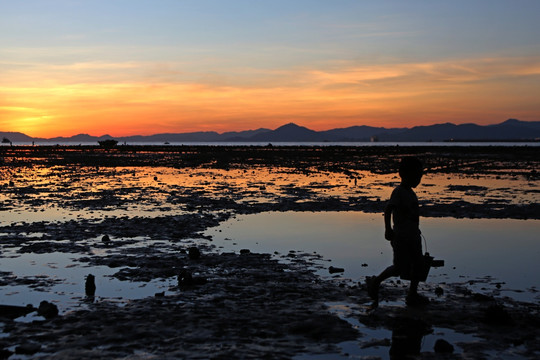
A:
(408, 258)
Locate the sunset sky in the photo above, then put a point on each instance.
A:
(125, 67)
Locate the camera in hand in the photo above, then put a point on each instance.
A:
(437, 263)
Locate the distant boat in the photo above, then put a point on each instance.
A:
(108, 144)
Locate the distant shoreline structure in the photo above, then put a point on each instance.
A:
(511, 130)
(299, 144)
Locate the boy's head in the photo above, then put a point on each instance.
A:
(410, 171)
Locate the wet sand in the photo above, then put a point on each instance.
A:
(246, 305)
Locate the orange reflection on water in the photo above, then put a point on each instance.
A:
(134, 189)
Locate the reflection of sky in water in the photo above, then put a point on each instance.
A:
(39, 189)
(68, 276)
(503, 249)
(376, 342)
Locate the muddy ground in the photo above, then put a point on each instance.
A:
(247, 305)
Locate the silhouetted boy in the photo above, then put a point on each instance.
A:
(402, 209)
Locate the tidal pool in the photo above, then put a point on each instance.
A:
(495, 255)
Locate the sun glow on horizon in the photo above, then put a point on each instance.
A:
(394, 95)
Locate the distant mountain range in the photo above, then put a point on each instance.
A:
(510, 130)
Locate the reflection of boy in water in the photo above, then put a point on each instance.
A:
(404, 235)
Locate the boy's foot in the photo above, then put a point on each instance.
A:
(373, 289)
(416, 300)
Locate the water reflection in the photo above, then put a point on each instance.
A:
(39, 189)
(60, 278)
(498, 253)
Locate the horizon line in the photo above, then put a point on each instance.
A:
(289, 123)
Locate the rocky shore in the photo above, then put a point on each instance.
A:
(245, 305)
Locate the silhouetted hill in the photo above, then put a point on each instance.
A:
(76, 139)
(358, 133)
(289, 132)
(15, 137)
(508, 130)
(205, 136)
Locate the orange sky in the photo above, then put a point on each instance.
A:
(482, 91)
(68, 78)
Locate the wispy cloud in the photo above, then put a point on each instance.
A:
(109, 95)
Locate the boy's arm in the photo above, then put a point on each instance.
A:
(388, 232)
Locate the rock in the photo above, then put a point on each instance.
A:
(47, 310)
(186, 279)
(497, 315)
(106, 239)
(439, 291)
(5, 353)
(194, 253)
(333, 270)
(13, 312)
(443, 347)
(244, 251)
(482, 298)
(90, 285)
(27, 349)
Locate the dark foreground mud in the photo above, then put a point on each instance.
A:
(245, 305)
(249, 307)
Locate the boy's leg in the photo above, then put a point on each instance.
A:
(413, 298)
(387, 273)
(374, 282)
(413, 289)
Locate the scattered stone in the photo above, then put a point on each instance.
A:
(90, 285)
(185, 278)
(47, 310)
(106, 239)
(194, 253)
(333, 270)
(443, 347)
(27, 349)
(13, 312)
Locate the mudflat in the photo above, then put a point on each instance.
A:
(140, 211)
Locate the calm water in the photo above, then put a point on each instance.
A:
(486, 251)
(493, 250)
(317, 143)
